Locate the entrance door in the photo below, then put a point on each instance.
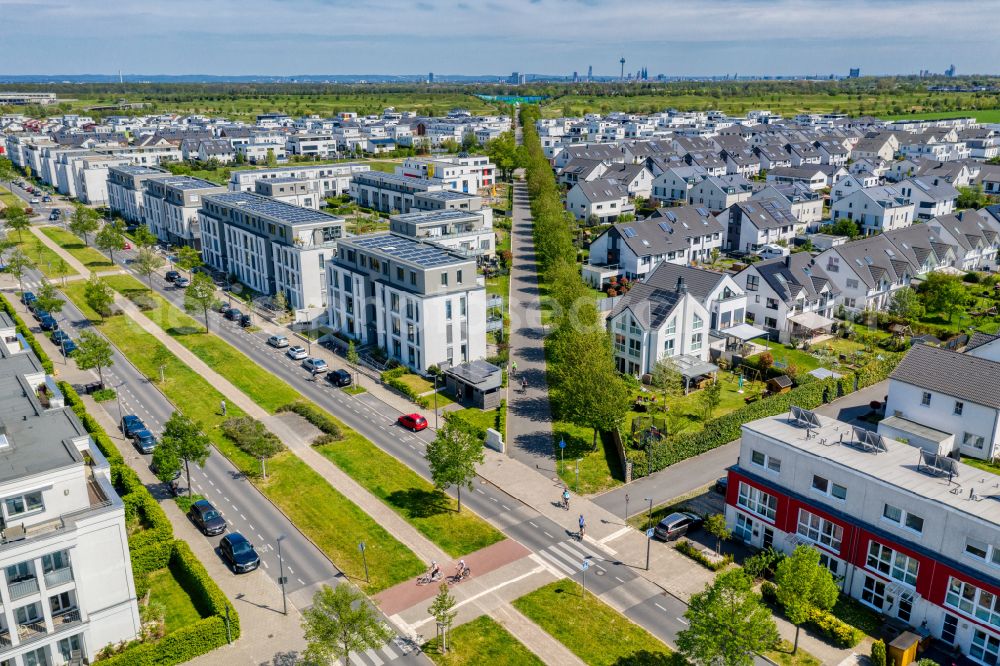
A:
(768, 537)
(949, 629)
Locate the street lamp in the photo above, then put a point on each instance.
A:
(435, 402)
(281, 577)
(578, 474)
(649, 530)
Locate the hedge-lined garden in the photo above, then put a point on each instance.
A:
(26, 333)
(153, 548)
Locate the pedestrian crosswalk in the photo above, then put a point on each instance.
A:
(397, 648)
(568, 556)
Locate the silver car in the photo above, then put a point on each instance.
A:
(297, 353)
(315, 365)
(278, 341)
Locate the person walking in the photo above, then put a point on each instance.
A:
(222, 407)
(583, 526)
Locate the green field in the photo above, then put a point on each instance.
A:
(482, 641)
(73, 244)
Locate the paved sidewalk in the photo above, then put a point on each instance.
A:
(529, 417)
(536, 639)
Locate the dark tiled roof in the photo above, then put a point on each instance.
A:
(699, 282)
(958, 375)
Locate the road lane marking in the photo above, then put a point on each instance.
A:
(681, 620)
(548, 535)
(660, 607)
(482, 593)
(619, 579)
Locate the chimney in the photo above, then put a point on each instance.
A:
(681, 287)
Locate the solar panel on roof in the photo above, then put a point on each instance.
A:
(664, 226)
(629, 232)
(671, 216)
(703, 212)
(749, 208)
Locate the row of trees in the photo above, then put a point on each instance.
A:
(584, 383)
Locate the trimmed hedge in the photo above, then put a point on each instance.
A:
(29, 337)
(501, 420)
(822, 622)
(315, 416)
(685, 548)
(391, 379)
(727, 428)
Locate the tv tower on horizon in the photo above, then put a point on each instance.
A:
(622, 61)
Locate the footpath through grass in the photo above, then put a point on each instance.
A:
(592, 630)
(482, 641)
(330, 520)
(88, 256)
(403, 490)
(45, 259)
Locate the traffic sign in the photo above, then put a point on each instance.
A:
(585, 565)
(562, 443)
(649, 533)
(361, 546)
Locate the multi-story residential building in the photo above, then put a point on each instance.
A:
(421, 303)
(717, 193)
(92, 177)
(463, 231)
(790, 297)
(752, 224)
(929, 200)
(680, 235)
(269, 245)
(975, 238)
(809, 175)
(906, 532)
(314, 145)
(718, 292)
(67, 589)
(332, 180)
(297, 191)
(866, 272)
(600, 200)
(260, 153)
(674, 184)
(467, 174)
(126, 188)
(389, 192)
(803, 203)
(876, 209)
(171, 207)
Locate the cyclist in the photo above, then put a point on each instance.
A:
(524, 384)
(514, 367)
(583, 525)
(565, 498)
(460, 568)
(435, 570)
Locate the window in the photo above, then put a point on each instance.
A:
(830, 563)
(24, 504)
(753, 282)
(985, 648)
(824, 486)
(757, 501)
(925, 399)
(892, 563)
(959, 407)
(444, 279)
(668, 347)
(903, 518)
(744, 527)
(413, 277)
(852, 284)
(973, 440)
(771, 463)
(461, 306)
(696, 342)
(671, 327)
(973, 601)
(873, 592)
(820, 530)
(458, 277)
(698, 323)
(447, 309)
(399, 273)
(983, 551)
(772, 304)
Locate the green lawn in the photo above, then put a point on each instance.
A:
(482, 641)
(88, 256)
(984, 465)
(382, 165)
(782, 655)
(429, 510)
(179, 609)
(480, 419)
(48, 262)
(592, 630)
(599, 469)
(8, 198)
(328, 518)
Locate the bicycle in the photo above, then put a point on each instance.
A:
(457, 578)
(429, 577)
(565, 501)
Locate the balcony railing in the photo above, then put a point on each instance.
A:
(58, 576)
(5, 640)
(31, 630)
(66, 619)
(23, 588)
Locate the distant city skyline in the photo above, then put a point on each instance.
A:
(449, 37)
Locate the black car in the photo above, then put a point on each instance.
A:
(28, 298)
(676, 525)
(207, 518)
(171, 276)
(233, 314)
(144, 441)
(339, 378)
(238, 552)
(59, 337)
(68, 348)
(722, 485)
(130, 424)
(54, 215)
(49, 323)
(245, 321)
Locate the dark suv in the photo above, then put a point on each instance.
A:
(171, 276)
(131, 424)
(339, 378)
(144, 440)
(238, 552)
(676, 525)
(207, 518)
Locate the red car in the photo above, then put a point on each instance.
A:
(414, 422)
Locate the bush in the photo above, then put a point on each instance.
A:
(391, 379)
(500, 425)
(315, 416)
(320, 440)
(246, 431)
(972, 277)
(143, 301)
(104, 395)
(878, 653)
(26, 333)
(684, 546)
(764, 563)
(826, 624)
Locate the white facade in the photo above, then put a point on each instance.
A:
(876, 209)
(639, 343)
(332, 180)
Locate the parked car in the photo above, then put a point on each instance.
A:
(339, 378)
(182, 282)
(238, 553)
(246, 320)
(127, 246)
(171, 276)
(131, 423)
(233, 314)
(46, 199)
(278, 341)
(222, 307)
(49, 323)
(315, 365)
(414, 422)
(722, 485)
(68, 348)
(54, 215)
(297, 353)
(59, 337)
(35, 200)
(38, 313)
(207, 518)
(28, 298)
(144, 441)
(677, 524)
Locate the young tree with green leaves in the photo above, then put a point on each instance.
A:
(944, 293)
(189, 259)
(716, 526)
(185, 438)
(166, 463)
(48, 298)
(843, 227)
(147, 262)
(710, 398)
(7, 171)
(727, 623)
(143, 237)
(905, 304)
(93, 352)
(84, 222)
(339, 623)
(442, 609)
(200, 295)
(354, 358)
(17, 218)
(804, 584)
(111, 238)
(99, 295)
(18, 264)
(453, 456)
(668, 379)
(161, 358)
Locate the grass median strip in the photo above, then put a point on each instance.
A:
(429, 510)
(592, 630)
(332, 521)
(482, 641)
(88, 256)
(45, 258)
(403, 490)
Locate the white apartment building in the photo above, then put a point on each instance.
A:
(171, 207)
(389, 192)
(92, 177)
(126, 188)
(790, 297)
(876, 209)
(270, 245)
(463, 174)
(467, 232)
(314, 145)
(332, 180)
(296, 191)
(752, 224)
(421, 303)
(67, 588)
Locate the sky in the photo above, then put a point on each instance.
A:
(672, 37)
